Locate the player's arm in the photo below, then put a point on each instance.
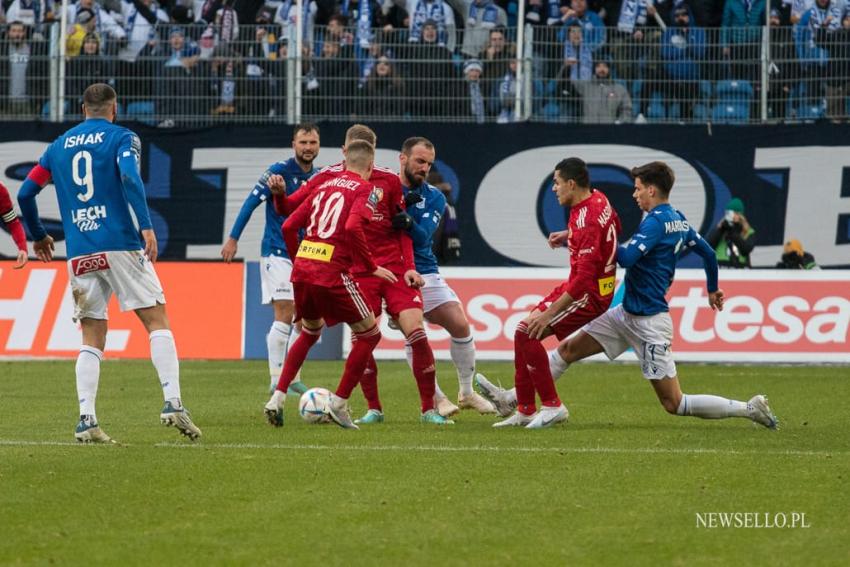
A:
(709, 261)
(648, 235)
(10, 218)
(284, 204)
(37, 178)
(292, 226)
(258, 194)
(422, 233)
(129, 154)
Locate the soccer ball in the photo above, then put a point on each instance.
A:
(313, 405)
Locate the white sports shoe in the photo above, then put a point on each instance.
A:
(445, 407)
(518, 419)
(759, 411)
(88, 431)
(498, 396)
(178, 416)
(549, 416)
(338, 410)
(477, 402)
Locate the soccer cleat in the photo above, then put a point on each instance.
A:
(502, 399)
(518, 419)
(370, 417)
(759, 411)
(297, 387)
(338, 410)
(477, 402)
(273, 413)
(432, 416)
(88, 431)
(548, 416)
(179, 418)
(445, 407)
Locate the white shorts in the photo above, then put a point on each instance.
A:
(650, 336)
(275, 277)
(128, 274)
(435, 292)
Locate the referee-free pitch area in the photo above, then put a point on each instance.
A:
(621, 483)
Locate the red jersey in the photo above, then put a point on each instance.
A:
(592, 239)
(7, 213)
(334, 216)
(285, 204)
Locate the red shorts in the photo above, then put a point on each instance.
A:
(398, 296)
(580, 312)
(338, 304)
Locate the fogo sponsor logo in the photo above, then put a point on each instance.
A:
(88, 264)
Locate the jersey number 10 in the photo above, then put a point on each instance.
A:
(329, 217)
(87, 180)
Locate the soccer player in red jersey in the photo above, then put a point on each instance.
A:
(591, 237)
(325, 292)
(13, 223)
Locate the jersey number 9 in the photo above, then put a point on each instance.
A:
(87, 180)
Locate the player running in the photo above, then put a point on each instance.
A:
(325, 292)
(643, 321)
(13, 224)
(275, 264)
(95, 168)
(425, 205)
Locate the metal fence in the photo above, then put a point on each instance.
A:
(192, 76)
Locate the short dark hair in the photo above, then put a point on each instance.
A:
(305, 127)
(655, 173)
(575, 169)
(360, 132)
(414, 141)
(98, 98)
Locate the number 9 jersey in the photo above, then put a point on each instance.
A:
(94, 204)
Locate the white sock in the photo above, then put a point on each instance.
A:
(557, 365)
(711, 407)
(88, 375)
(277, 341)
(164, 358)
(463, 355)
(293, 336)
(278, 398)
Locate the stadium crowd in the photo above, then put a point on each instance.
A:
(598, 61)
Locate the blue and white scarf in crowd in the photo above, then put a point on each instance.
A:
(476, 100)
(424, 11)
(632, 13)
(363, 35)
(819, 16)
(283, 15)
(490, 17)
(583, 70)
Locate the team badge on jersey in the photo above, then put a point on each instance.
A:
(376, 196)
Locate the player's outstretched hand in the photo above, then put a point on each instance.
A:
(44, 248)
(537, 323)
(385, 274)
(715, 299)
(150, 244)
(22, 260)
(276, 184)
(228, 251)
(557, 239)
(413, 279)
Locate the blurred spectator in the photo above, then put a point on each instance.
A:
(481, 16)
(798, 8)
(140, 18)
(23, 70)
(602, 100)
(475, 103)
(795, 258)
(638, 25)
(83, 26)
(784, 70)
(507, 91)
(383, 92)
(336, 74)
(366, 15)
(227, 22)
(263, 69)
(395, 20)
(823, 23)
(578, 56)
(740, 37)
(432, 78)
(87, 68)
(682, 49)
(287, 17)
(446, 239)
(107, 28)
(225, 80)
(543, 12)
(175, 62)
(590, 22)
(495, 58)
(436, 11)
(31, 13)
(733, 239)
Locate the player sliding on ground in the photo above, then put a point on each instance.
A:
(95, 168)
(333, 215)
(643, 321)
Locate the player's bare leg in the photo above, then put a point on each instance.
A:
(311, 330)
(282, 334)
(164, 358)
(424, 369)
(709, 406)
(88, 375)
(451, 317)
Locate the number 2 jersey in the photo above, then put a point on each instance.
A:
(592, 240)
(84, 165)
(334, 215)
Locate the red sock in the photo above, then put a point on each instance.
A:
(369, 385)
(537, 363)
(522, 379)
(296, 356)
(423, 367)
(358, 358)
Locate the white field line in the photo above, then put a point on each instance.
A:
(454, 448)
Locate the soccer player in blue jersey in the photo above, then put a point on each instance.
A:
(95, 168)
(275, 264)
(642, 321)
(425, 205)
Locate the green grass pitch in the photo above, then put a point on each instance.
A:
(622, 483)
